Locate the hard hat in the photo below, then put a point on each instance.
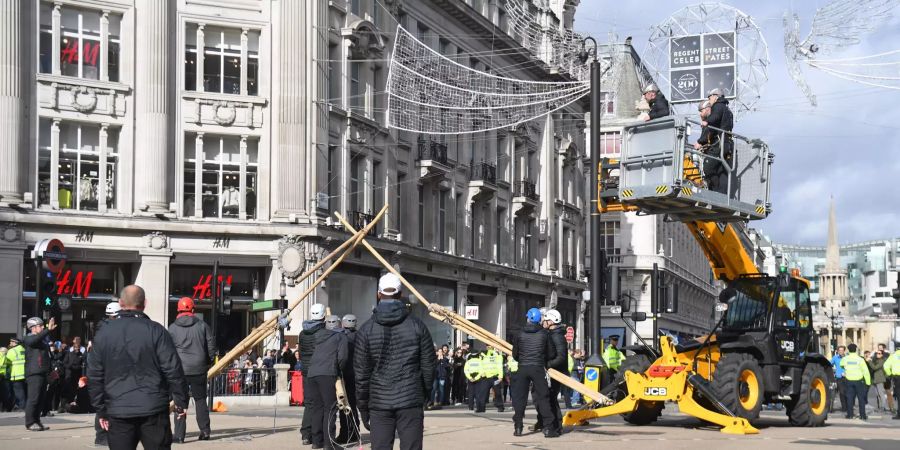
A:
(534, 315)
(33, 322)
(113, 308)
(317, 312)
(332, 322)
(651, 88)
(553, 316)
(715, 91)
(349, 321)
(185, 304)
(389, 284)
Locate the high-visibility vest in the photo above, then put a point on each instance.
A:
(855, 368)
(613, 357)
(492, 364)
(472, 368)
(16, 355)
(892, 365)
(571, 363)
(512, 364)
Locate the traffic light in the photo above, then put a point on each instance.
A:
(225, 299)
(49, 297)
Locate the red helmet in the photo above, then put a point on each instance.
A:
(185, 304)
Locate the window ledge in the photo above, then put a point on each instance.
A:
(224, 97)
(75, 81)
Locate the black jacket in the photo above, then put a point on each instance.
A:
(720, 116)
(308, 343)
(349, 377)
(73, 361)
(330, 354)
(560, 361)
(533, 347)
(134, 370)
(195, 344)
(394, 359)
(37, 353)
(659, 107)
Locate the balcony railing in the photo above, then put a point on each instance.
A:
(528, 190)
(569, 272)
(433, 150)
(484, 172)
(361, 219)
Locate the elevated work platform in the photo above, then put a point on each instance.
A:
(660, 172)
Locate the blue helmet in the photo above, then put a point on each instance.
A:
(534, 315)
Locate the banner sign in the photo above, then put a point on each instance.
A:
(700, 63)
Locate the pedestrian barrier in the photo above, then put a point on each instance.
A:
(244, 382)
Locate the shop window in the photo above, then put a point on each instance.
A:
(86, 172)
(442, 220)
(80, 36)
(221, 59)
(226, 168)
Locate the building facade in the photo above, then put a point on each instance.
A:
(156, 138)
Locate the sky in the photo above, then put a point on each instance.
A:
(848, 147)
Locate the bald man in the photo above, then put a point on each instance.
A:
(134, 371)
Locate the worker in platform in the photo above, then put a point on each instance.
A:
(532, 349)
(613, 356)
(659, 106)
(719, 124)
(856, 371)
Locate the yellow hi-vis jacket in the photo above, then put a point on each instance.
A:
(472, 368)
(613, 357)
(892, 365)
(16, 357)
(492, 364)
(855, 368)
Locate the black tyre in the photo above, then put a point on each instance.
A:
(646, 412)
(737, 381)
(810, 407)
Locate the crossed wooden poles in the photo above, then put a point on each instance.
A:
(434, 310)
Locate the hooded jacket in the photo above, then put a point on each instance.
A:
(308, 343)
(533, 347)
(560, 360)
(195, 344)
(394, 359)
(330, 354)
(134, 370)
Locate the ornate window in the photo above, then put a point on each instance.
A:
(77, 42)
(228, 62)
(220, 176)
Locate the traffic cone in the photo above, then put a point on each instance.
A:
(218, 406)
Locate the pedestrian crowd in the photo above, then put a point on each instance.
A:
(856, 376)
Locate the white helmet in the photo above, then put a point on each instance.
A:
(651, 88)
(113, 308)
(332, 322)
(317, 312)
(33, 322)
(553, 316)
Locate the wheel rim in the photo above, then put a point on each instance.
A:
(817, 396)
(748, 388)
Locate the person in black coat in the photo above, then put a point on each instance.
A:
(349, 432)
(73, 362)
(718, 142)
(325, 366)
(307, 345)
(133, 373)
(532, 349)
(394, 364)
(196, 347)
(659, 106)
(560, 362)
(37, 366)
(112, 312)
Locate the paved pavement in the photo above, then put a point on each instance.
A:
(458, 428)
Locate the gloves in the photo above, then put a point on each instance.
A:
(364, 418)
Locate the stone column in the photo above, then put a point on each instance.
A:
(104, 46)
(289, 157)
(198, 175)
(501, 312)
(55, 24)
(152, 153)
(244, 50)
(12, 259)
(102, 191)
(13, 100)
(462, 296)
(153, 276)
(201, 46)
(282, 392)
(242, 183)
(54, 164)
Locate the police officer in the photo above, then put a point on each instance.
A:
(16, 360)
(493, 361)
(892, 370)
(856, 371)
(329, 356)
(315, 323)
(349, 433)
(532, 350)
(475, 369)
(37, 365)
(613, 356)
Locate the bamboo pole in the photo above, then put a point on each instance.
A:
(269, 326)
(459, 322)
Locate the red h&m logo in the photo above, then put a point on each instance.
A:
(203, 288)
(80, 286)
(88, 56)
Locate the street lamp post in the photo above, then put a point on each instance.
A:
(837, 323)
(282, 292)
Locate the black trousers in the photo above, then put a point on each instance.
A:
(896, 393)
(470, 394)
(34, 404)
(324, 397)
(527, 376)
(857, 390)
(4, 393)
(482, 393)
(553, 399)
(408, 423)
(153, 432)
(197, 386)
(498, 393)
(842, 393)
(19, 397)
(306, 423)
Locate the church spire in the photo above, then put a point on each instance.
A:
(833, 251)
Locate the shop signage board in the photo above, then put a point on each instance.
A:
(471, 312)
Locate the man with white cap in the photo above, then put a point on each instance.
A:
(394, 364)
(307, 346)
(659, 106)
(112, 312)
